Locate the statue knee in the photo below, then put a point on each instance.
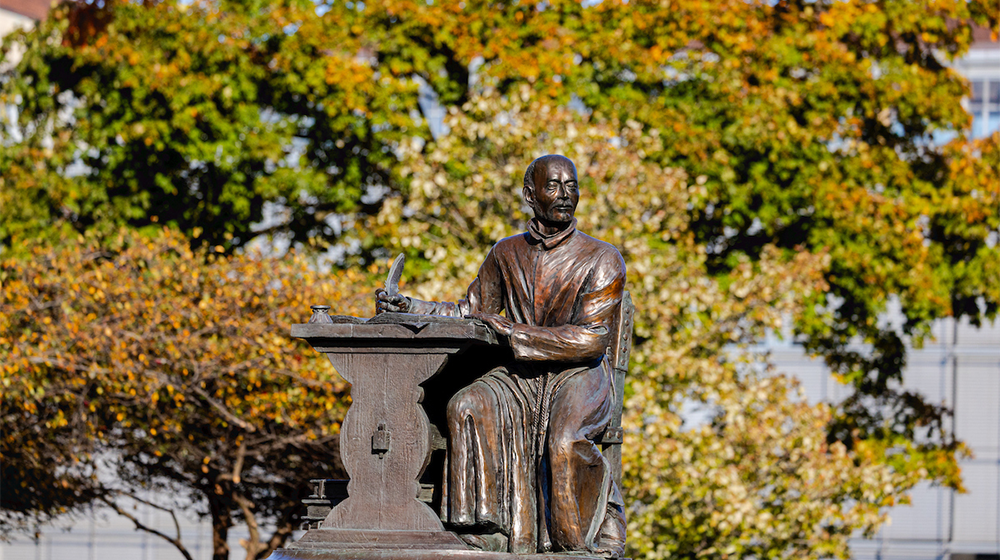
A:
(467, 402)
(565, 443)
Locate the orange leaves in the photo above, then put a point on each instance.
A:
(134, 312)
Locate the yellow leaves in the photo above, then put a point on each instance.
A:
(769, 446)
(59, 422)
(761, 456)
(149, 333)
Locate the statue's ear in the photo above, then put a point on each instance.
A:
(529, 196)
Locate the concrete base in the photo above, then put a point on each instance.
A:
(401, 554)
(346, 544)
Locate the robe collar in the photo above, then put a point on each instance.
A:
(549, 241)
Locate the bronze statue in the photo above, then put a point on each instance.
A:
(524, 472)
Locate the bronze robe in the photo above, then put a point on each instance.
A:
(522, 457)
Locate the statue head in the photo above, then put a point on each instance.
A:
(551, 189)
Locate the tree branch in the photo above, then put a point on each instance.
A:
(222, 410)
(253, 546)
(277, 538)
(173, 516)
(140, 526)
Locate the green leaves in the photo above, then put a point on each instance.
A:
(759, 478)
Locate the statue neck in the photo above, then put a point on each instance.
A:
(548, 234)
(549, 229)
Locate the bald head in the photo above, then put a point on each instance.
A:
(543, 162)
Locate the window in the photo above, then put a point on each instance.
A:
(985, 107)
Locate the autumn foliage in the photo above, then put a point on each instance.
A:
(759, 477)
(761, 166)
(165, 367)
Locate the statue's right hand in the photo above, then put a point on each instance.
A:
(397, 303)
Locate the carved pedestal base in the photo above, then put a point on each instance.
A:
(383, 554)
(344, 544)
(410, 554)
(340, 544)
(334, 539)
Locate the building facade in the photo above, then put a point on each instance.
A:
(21, 13)
(982, 67)
(960, 369)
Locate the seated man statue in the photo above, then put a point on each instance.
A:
(524, 472)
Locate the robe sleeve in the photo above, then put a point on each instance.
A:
(485, 294)
(590, 333)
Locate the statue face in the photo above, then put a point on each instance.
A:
(556, 192)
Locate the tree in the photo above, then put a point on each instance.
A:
(759, 479)
(800, 116)
(135, 366)
(773, 139)
(809, 125)
(138, 114)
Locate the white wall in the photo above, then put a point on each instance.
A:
(10, 21)
(960, 369)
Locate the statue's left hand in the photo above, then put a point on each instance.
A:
(499, 323)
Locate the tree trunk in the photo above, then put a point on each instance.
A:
(278, 538)
(220, 507)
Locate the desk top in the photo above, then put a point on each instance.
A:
(407, 328)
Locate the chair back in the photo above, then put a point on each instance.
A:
(618, 356)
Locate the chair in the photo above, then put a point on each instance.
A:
(618, 356)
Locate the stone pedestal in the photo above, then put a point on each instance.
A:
(385, 437)
(414, 554)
